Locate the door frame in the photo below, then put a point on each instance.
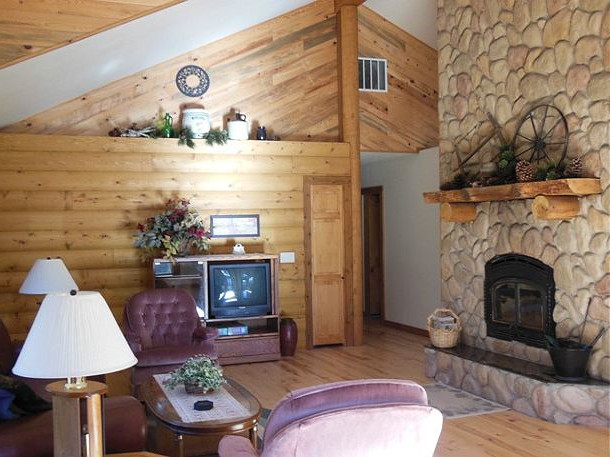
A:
(309, 181)
(379, 191)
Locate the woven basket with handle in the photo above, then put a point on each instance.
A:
(442, 337)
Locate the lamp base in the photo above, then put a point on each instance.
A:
(68, 439)
(76, 383)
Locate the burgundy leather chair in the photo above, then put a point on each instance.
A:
(32, 436)
(375, 417)
(163, 329)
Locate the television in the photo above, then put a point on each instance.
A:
(239, 289)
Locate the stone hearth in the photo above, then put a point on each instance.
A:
(503, 57)
(524, 386)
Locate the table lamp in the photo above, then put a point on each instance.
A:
(75, 335)
(48, 276)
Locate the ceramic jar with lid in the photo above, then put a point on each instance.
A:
(197, 120)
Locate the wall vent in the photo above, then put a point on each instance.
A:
(372, 74)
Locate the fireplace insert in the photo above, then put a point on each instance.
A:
(519, 299)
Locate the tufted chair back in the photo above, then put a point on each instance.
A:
(162, 317)
(370, 417)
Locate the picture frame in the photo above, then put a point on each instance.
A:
(234, 225)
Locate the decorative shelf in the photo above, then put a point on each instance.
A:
(556, 199)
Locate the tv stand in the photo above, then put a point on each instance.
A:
(262, 342)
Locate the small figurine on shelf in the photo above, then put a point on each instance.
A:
(261, 133)
(167, 131)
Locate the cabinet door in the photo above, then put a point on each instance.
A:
(327, 260)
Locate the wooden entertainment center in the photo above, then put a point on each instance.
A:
(262, 341)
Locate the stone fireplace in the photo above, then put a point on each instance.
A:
(519, 299)
(501, 57)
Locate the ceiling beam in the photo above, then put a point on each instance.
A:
(341, 3)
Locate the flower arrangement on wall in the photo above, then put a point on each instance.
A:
(177, 231)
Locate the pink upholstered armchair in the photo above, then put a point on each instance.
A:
(375, 417)
(163, 329)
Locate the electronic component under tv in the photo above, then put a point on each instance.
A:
(239, 289)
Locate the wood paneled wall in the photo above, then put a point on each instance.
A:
(282, 74)
(405, 119)
(81, 198)
(32, 27)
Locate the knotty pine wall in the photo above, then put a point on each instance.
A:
(81, 198)
(282, 74)
(405, 119)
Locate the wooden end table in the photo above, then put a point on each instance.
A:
(161, 408)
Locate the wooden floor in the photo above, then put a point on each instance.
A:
(392, 353)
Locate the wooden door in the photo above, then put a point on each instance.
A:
(372, 235)
(327, 287)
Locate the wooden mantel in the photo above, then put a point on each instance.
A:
(557, 199)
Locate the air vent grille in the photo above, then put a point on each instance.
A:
(372, 74)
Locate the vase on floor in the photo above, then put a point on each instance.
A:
(288, 337)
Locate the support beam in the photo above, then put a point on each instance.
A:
(555, 207)
(341, 3)
(349, 132)
(458, 212)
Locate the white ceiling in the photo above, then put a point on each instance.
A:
(47, 80)
(418, 17)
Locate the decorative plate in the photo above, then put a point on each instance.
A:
(184, 79)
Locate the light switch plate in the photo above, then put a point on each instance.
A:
(287, 257)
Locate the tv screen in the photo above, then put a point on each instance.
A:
(239, 289)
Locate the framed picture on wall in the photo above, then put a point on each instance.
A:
(239, 225)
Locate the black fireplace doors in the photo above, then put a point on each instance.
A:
(519, 299)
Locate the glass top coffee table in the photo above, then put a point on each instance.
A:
(170, 415)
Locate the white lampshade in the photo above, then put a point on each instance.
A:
(73, 335)
(48, 276)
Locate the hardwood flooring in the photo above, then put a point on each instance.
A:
(393, 353)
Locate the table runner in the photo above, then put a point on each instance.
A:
(225, 405)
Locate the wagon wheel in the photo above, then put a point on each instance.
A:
(542, 136)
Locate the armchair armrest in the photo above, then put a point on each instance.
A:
(134, 341)
(205, 333)
(236, 446)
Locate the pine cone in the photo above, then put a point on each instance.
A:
(525, 171)
(574, 168)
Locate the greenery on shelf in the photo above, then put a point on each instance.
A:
(198, 371)
(217, 136)
(175, 231)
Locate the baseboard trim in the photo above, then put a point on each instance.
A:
(406, 328)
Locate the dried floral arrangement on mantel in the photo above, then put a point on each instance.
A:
(537, 152)
(531, 166)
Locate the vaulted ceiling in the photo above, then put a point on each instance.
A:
(31, 27)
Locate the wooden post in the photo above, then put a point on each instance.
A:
(349, 132)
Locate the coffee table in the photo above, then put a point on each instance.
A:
(161, 408)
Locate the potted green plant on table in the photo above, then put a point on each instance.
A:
(199, 374)
(176, 231)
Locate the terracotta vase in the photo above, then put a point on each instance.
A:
(288, 337)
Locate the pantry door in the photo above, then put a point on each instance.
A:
(328, 279)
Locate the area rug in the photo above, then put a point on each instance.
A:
(455, 403)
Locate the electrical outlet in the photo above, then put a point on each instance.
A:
(287, 257)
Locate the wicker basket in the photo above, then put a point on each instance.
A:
(441, 337)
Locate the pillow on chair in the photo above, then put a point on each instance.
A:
(25, 400)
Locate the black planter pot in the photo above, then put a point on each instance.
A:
(570, 363)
